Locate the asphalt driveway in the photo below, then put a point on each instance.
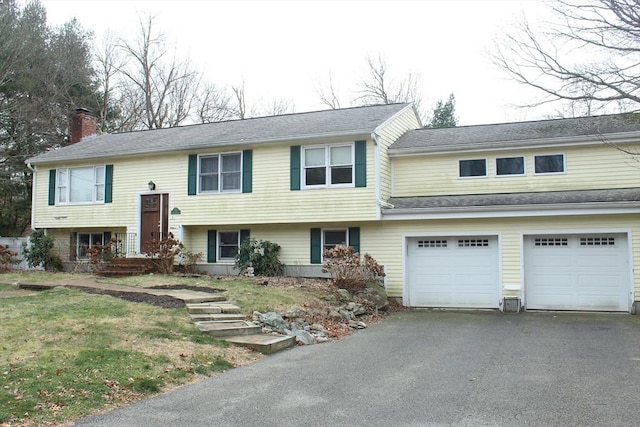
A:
(423, 368)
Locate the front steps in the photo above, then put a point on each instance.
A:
(223, 320)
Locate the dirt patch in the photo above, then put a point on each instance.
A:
(163, 301)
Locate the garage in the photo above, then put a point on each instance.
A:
(453, 272)
(587, 272)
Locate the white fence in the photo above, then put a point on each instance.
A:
(15, 244)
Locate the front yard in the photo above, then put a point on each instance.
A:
(65, 353)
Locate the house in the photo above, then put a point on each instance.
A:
(536, 215)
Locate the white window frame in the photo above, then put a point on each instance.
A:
(564, 164)
(325, 230)
(91, 234)
(327, 166)
(63, 186)
(524, 166)
(486, 168)
(219, 257)
(219, 174)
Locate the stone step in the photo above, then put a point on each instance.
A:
(190, 297)
(216, 316)
(225, 328)
(265, 344)
(212, 308)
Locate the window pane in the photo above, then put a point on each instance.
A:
(228, 244)
(549, 164)
(81, 184)
(99, 174)
(209, 164)
(314, 157)
(473, 167)
(333, 238)
(231, 163)
(315, 176)
(230, 181)
(341, 175)
(100, 193)
(209, 183)
(83, 245)
(341, 155)
(510, 166)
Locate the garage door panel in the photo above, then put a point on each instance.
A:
(577, 272)
(453, 272)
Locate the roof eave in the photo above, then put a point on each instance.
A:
(619, 138)
(358, 134)
(633, 206)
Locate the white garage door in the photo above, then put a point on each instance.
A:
(453, 272)
(585, 272)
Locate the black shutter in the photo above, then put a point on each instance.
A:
(212, 245)
(295, 167)
(108, 183)
(316, 246)
(247, 170)
(361, 163)
(192, 175)
(52, 187)
(354, 238)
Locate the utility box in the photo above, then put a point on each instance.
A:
(512, 305)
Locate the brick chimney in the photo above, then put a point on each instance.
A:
(83, 124)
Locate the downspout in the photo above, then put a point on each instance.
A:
(33, 195)
(380, 203)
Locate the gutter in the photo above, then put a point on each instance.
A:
(515, 210)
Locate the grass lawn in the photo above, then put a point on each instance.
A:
(65, 353)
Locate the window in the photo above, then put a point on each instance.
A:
(473, 243)
(549, 164)
(80, 185)
(333, 238)
(597, 241)
(509, 166)
(432, 243)
(85, 241)
(220, 173)
(228, 244)
(471, 168)
(328, 166)
(551, 241)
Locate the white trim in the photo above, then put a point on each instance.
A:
(486, 168)
(327, 153)
(219, 156)
(524, 166)
(564, 164)
(515, 212)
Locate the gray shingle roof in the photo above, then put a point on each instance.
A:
(513, 134)
(504, 200)
(318, 124)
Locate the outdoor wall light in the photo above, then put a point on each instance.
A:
(152, 185)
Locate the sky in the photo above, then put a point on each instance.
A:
(284, 49)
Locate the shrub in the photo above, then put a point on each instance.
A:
(348, 270)
(190, 260)
(7, 257)
(39, 252)
(164, 252)
(262, 255)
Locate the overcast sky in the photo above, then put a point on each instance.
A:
(281, 48)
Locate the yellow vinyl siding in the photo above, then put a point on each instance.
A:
(587, 167)
(388, 135)
(385, 242)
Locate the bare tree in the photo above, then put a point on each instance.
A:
(327, 93)
(378, 87)
(241, 107)
(587, 58)
(167, 85)
(213, 104)
(274, 107)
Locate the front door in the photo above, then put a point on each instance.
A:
(154, 219)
